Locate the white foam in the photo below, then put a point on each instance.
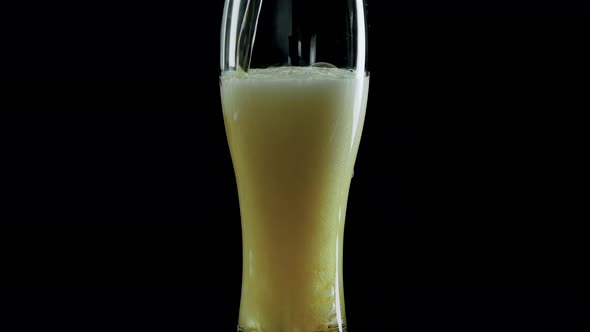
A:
(292, 73)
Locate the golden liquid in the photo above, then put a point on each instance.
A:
(293, 135)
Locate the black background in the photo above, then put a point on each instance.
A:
(119, 210)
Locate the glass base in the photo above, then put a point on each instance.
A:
(329, 329)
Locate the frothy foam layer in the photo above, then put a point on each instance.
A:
(297, 73)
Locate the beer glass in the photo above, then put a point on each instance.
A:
(294, 86)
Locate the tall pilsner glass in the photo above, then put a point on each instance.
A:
(294, 88)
